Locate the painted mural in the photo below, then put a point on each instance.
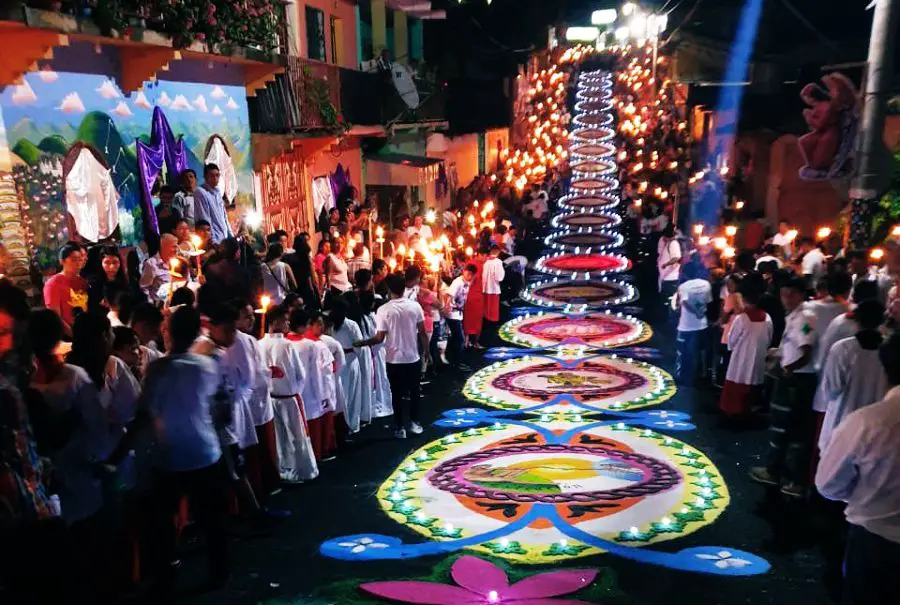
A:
(50, 112)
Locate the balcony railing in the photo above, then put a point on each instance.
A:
(307, 96)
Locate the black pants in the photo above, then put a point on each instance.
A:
(29, 551)
(456, 343)
(792, 427)
(869, 567)
(404, 379)
(667, 290)
(206, 488)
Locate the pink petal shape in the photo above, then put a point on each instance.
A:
(551, 584)
(545, 602)
(422, 593)
(479, 575)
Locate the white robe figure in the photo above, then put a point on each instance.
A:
(233, 366)
(852, 379)
(351, 375)
(841, 327)
(366, 376)
(335, 385)
(318, 365)
(242, 362)
(296, 461)
(748, 342)
(382, 404)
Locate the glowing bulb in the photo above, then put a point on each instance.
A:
(448, 527)
(493, 597)
(731, 230)
(876, 254)
(253, 219)
(698, 229)
(634, 531)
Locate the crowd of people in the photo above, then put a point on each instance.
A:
(215, 373)
(801, 335)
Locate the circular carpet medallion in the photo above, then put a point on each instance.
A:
(546, 492)
(590, 184)
(592, 167)
(603, 202)
(593, 329)
(593, 134)
(594, 119)
(591, 150)
(575, 220)
(578, 295)
(585, 108)
(583, 266)
(587, 241)
(600, 382)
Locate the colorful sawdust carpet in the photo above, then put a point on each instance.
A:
(584, 241)
(583, 266)
(552, 491)
(576, 220)
(569, 383)
(579, 294)
(602, 330)
(594, 202)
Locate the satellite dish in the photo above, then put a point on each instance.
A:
(406, 87)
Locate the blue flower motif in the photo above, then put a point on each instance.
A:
(456, 422)
(360, 546)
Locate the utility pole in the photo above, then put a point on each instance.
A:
(878, 79)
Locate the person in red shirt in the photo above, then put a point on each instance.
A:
(67, 290)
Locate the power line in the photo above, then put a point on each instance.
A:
(825, 39)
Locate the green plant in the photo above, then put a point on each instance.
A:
(888, 212)
(318, 94)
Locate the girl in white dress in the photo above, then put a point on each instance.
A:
(345, 331)
(381, 405)
(748, 341)
(366, 358)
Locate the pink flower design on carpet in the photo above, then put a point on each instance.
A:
(483, 583)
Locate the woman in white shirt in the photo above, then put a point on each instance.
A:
(278, 277)
(336, 269)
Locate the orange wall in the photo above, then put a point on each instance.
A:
(324, 162)
(343, 10)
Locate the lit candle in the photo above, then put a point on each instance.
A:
(731, 230)
(173, 273)
(698, 229)
(876, 254)
(823, 232)
(196, 242)
(264, 302)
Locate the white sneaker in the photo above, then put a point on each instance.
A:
(400, 433)
(415, 428)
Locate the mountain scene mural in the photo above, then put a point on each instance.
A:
(50, 111)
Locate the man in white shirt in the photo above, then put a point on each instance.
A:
(861, 466)
(419, 228)
(770, 254)
(692, 298)
(812, 265)
(785, 238)
(157, 272)
(668, 263)
(400, 324)
(792, 423)
(455, 301)
(827, 309)
(177, 404)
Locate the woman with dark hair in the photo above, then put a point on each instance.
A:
(300, 262)
(278, 278)
(226, 275)
(82, 436)
(28, 529)
(106, 268)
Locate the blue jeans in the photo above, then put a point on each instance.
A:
(688, 355)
